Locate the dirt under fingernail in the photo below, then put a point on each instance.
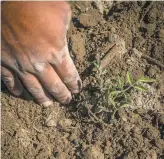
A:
(79, 83)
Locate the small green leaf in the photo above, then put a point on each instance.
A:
(120, 82)
(140, 88)
(145, 79)
(114, 93)
(106, 11)
(96, 65)
(125, 105)
(129, 78)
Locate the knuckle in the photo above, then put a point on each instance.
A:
(59, 56)
(39, 67)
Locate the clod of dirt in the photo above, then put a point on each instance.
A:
(151, 16)
(153, 155)
(136, 130)
(94, 152)
(41, 137)
(118, 50)
(152, 71)
(51, 123)
(122, 115)
(127, 128)
(113, 37)
(78, 46)
(11, 102)
(23, 138)
(65, 123)
(53, 115)
(88, 20)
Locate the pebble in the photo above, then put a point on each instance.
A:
(11, 102)
(51, 123)
(152, 71)
(94, 152)
(65, 123)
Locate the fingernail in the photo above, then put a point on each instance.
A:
(47, 103)
(79, 83)
(17, 92)
(67, 101)
(79, 87)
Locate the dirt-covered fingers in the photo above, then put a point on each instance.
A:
(36, 89)
(11, 81)
(67, 71)
(52, 82)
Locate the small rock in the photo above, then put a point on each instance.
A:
(41, 137)
(24, 138)
(122, 115)
(127, 128)
(65, 123)
(117, 51)
(113, 30)
(112, 38)
(153, 155)
(11, 102)
(136, 130)
(151, 16)
(152, 71)
(94, 152)
(73, 136)
(78, 46)
(51, 123)
(87, 20)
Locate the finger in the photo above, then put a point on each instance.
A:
(53, 83)
(65, 68)
(36, 89)
(11, 81)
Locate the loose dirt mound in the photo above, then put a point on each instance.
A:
(136, 132)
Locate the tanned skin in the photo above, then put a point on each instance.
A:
(34, 51)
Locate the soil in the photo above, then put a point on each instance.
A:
(30, 131)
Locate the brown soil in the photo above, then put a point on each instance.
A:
(66, 132)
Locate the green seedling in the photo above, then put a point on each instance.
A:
(116, 94)
(119, 95)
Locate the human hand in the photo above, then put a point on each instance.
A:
(34, 51)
